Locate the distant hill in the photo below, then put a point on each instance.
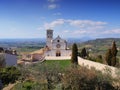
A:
(99, 46)
(106, 41)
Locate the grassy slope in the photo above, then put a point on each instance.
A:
(100, 46)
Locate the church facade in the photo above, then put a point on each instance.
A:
(56, 47)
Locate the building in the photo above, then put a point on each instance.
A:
(9, 55)
(56, 47)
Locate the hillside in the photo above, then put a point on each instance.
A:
(99, 46)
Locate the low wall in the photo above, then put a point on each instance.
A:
(96, 65)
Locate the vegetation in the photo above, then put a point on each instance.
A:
(59, 75)
(111, 55)
(62, 63)
(46, 77)
(2, 61)
(9, 75)
(99, 46)
(83, 53)
(74, 57)
(114, 53)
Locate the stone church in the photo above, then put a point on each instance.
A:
(56, 47)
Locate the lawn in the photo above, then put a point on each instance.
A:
(51, 64)
(61, 63)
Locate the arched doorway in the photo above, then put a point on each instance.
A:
(58, 53)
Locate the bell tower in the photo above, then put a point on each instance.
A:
(49, 37)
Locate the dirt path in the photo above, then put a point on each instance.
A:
(9, 87)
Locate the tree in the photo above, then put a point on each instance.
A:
(108, 57)
(111, 55)
(83, 53)
(74, 58)
(2, 61)
(114, 53)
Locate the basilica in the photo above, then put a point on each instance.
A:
(56, 47)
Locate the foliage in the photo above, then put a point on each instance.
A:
(99, 46)
(50, 76)
(108, 57)
(114, 53)
(27, 85)
(111, 55)
(74, 58)
(85, 79)
(2, 61)
(9, 75)
(97, 58)
(84, 53)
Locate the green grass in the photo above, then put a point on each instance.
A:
(61, 63)
(49, 65)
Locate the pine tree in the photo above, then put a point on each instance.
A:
(74, 58)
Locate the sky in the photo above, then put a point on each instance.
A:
(68, 18)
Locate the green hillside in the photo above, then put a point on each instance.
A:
(100, 46)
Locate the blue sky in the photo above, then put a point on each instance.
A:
(68, 18)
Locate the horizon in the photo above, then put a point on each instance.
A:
(26, 19)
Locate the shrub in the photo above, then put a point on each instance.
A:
(9, 75)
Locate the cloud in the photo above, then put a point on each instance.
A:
(86, 23)
(113, 31)
(57, 14)
(52, 1)
(54, 23)
(76, 28)
(52, 6)
(80, 28)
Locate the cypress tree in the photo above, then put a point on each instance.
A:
(83, 53)
(114, 53)
(108, 57)
(111, 55)
(74, 58)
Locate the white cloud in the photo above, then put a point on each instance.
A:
(52, 6)
(113, 31)
(86, 23)
(54, 23)
(76, 28)
(57, 14)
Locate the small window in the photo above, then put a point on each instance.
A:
(58, 40)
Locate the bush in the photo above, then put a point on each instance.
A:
(9, 75)
(85, 79)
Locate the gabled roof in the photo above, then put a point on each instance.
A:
(58, 38)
